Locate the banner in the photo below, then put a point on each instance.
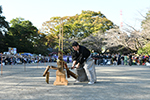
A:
(12, 50)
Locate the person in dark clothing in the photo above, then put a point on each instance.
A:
(81, 58)
(122, 59)
(109, 59)
(67, 59)
(95, 57)
(114, 58)
(80, 54)
(119, 60)
(100, 59)
(104, 59)
(130, 59)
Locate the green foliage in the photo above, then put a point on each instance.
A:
(145, 50)
(3, 24)
(78, 26)
(3, 29)
(146, 34)
(86, 23)
(24, 36)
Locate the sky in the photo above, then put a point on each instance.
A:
(39, 11)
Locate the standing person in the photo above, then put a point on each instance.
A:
(130, 59)
(119, 59)
(67, 59)
(95, 57)
(104, 59)
(122, 59)
(125, 60)
(109, 59)
(114, 59)
(85, 66)
(100, 59)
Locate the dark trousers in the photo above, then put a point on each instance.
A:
(130, 62)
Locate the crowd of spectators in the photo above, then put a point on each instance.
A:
(121, 59)
(21, 59)
(100, 59)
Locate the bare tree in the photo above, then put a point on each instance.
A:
(146, 26)
(94, 41)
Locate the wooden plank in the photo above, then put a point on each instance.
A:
(46, 70)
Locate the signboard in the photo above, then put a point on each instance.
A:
(12, 50)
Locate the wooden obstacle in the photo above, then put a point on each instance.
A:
(60, 73)
(60, 78)
(46, 70)
(47, 78)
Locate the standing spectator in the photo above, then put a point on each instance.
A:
(114, 59)
(140, 59)
(119, 59)
(137, 60)
(109, 57)
(122, 59)
(130, 59)
(100, 59)
(67, 59)
(125, 59)
(104, 59)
